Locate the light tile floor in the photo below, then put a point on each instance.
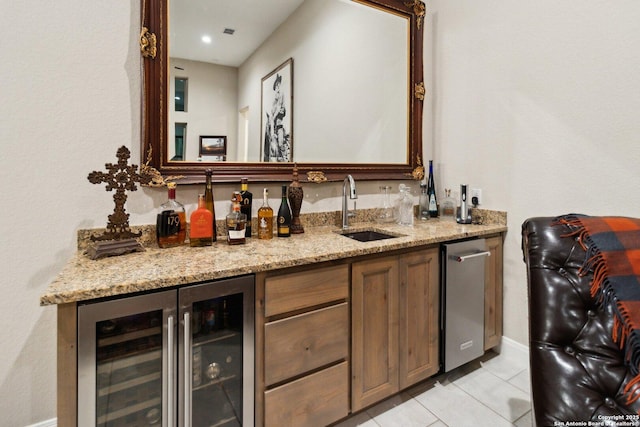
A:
(493, 391)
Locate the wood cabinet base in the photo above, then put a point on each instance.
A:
(394, 324)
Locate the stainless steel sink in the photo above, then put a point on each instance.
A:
(367, 235)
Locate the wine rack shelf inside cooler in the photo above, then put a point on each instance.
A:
(129, 371)
(217, 381)
(203, 339)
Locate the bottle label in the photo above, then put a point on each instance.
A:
(264, 229)
(283, 226)
(432, 203)
(236, 234)
(201, 225)
(283, 229)
(168, 224)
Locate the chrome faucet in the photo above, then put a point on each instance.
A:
(352, 195)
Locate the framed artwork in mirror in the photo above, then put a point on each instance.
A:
(277, 114)
(213, 148)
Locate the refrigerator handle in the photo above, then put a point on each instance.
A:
(170, 362)
(462, 258)
(188, 375)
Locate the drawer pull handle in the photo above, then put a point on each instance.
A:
(462, 258)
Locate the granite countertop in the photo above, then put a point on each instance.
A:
(85, 279)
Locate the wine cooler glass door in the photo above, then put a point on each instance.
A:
(216, 353)
(126, 375)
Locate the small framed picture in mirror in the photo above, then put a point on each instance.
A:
(213, 148)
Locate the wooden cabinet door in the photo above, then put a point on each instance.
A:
(418, 326)
(493, 293)
(374, 335)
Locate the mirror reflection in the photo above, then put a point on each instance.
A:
(307, 81)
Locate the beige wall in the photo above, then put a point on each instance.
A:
(534, 102)
(321, 37)
(212, 105)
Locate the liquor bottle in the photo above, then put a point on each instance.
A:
(284, 215)
(171, 222)
(236, 222)
(448, 209)
(225, 315)
(245, 204)
(423, 209)
(208, 199)
(265, 217)
(201, 233)
(405, 206)
(431, 193)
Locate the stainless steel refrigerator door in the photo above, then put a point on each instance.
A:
(463, 301)
(216, 348)
(126, 375)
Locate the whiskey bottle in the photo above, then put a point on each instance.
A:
(201, 232)
(245, 204)
(265, 217)
(208, 199)
(236, 222)
(284, 215)
(171, 222)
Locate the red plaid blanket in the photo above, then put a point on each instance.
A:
(613, 255)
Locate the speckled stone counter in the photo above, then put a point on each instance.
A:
(85, 279)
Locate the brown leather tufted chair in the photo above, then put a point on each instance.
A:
(577, 372)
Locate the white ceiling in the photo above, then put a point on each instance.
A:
(252, 20)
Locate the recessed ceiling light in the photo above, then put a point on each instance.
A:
(206, 39)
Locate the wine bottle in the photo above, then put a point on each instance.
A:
(208, 199)
(265, 217)
(431, 193)
(236, 222)
(171, 222)
(284, 215)
(245, 204)
(201, 232)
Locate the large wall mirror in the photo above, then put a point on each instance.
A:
(250, 87)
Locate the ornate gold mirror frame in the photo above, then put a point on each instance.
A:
(154, 50)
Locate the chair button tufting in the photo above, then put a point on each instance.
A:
(570, 350)
(610, 402)
(591, 313)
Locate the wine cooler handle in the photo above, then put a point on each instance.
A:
(188, 374)
(170, 362)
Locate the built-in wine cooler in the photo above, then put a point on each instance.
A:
(172, 358)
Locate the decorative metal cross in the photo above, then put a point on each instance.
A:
(121, 177)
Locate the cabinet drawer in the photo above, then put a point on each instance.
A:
(315, 400)
(298, 344)
(294, 291)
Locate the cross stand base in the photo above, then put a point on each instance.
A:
(108, 248)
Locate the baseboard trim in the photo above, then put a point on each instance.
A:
(53, 422)
(509, 346)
